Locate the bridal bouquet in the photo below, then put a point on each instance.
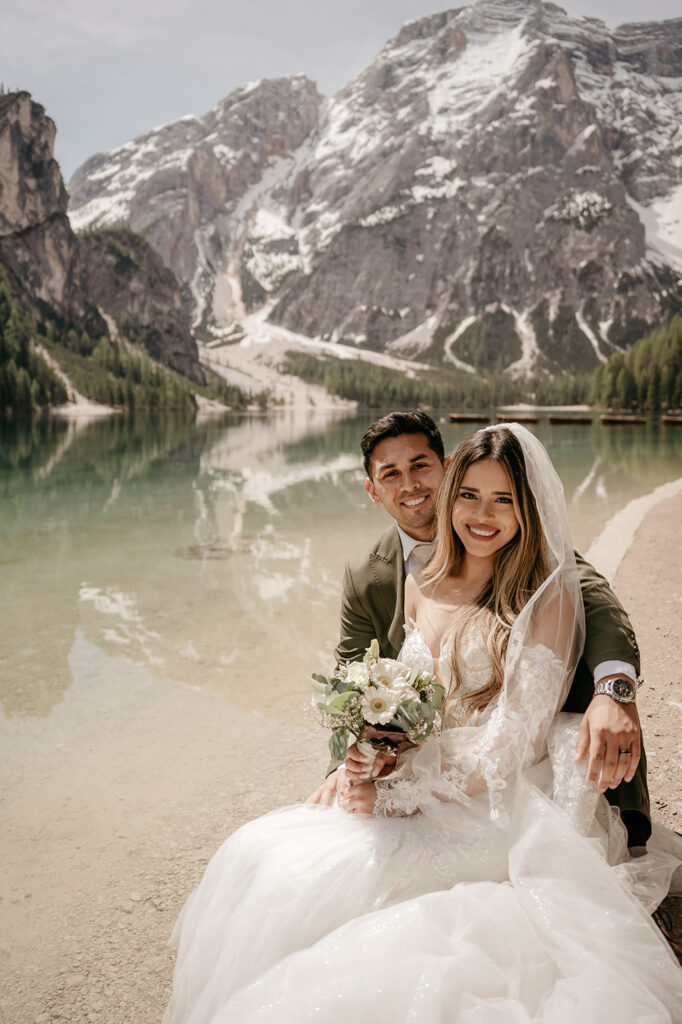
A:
(378, 692)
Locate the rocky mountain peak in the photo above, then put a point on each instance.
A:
(497, 189)
(422, 28)
(179, 183)
(651, 48)
(38, 250)
(31, 187)
(88, 284)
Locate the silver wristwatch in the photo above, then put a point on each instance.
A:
(621, 689)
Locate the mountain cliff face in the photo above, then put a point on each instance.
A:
(37, 246)
(500, 189)
(191, 185)
(82, 283)
(140, 297)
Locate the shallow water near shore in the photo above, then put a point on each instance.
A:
(167, 587)
(212, 553)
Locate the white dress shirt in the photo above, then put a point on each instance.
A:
(412, 559)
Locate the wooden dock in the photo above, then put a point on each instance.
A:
(520, 417)
(468, 417)
(613, 419)
(559, 418)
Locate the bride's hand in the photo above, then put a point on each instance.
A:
(357, 765)
(357, 799)
(359, 769)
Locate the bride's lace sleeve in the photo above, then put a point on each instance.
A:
(464, 764)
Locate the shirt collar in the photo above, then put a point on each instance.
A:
(408, 543)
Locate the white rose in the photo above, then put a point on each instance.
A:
(358, 675)
(392, 674)
(379, 705)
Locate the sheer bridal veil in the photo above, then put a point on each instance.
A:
(543, 650)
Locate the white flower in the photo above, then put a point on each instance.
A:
(379, 705)
(405, 693)
(358, 675)
(392, 674)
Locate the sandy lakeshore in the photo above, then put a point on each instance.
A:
(109, 819)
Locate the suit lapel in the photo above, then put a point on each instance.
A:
(388, 572)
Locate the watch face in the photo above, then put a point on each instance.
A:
(622, 688)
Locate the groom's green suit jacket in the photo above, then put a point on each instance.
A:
(372, 606)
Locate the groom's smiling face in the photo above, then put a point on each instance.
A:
(405, 478)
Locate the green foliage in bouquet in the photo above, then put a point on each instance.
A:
(381, 693)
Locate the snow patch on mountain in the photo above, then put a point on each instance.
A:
(200, 284)
(130, 165)
(590, 335)
(254, 362)
(480, 162)
(530, 351)
(662, 220)
(449, 355)
(462, 92)
(583, 207)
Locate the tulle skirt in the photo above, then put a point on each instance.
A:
(312, 915)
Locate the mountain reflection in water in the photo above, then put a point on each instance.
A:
(213, 552)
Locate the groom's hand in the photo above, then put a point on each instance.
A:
(325, 793)
(607, 728)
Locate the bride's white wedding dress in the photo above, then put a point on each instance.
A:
(495, 902)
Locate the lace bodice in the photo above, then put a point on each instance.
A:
(479, 757)
(474, 665)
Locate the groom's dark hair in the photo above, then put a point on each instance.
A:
(395, 424)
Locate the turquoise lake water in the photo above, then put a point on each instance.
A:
(212, 553)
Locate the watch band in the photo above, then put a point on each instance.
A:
(621, 689)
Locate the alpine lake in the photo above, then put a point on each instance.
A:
(211, 553)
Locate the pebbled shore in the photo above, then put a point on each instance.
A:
(109, 820)
(649, 584)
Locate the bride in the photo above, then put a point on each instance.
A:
(482, 880)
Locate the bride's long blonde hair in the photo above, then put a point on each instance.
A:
(518, 570)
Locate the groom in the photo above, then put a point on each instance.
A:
(404, 459)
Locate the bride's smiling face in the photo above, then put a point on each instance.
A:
(483, 515)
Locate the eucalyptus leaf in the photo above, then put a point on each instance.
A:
(320, 678)
(330, 709)
(338, 744)
(412, 711)
(401, 721)
(437, 697)
(341, 701)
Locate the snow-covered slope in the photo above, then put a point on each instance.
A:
(191, 185)
(499, 187)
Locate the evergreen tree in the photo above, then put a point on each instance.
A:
(653, 395)
(626, 389)
(647, 375)
(23, 401)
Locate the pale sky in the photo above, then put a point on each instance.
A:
(108, 70)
